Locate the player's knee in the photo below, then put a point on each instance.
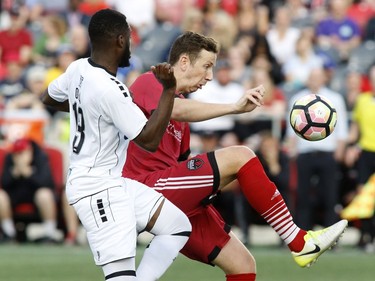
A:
(172, 220)
(235, 258)
(245, 264)
(242, 153)
(250, 264)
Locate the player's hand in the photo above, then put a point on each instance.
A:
(251, 99)
(165, 75)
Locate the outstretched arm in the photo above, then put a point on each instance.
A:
(188, 110)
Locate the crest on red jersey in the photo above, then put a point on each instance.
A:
(194, 164)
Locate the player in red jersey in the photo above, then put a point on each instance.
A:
(190, 182)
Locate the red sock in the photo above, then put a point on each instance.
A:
(264, 197)
(241, 277)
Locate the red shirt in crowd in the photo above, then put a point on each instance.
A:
(11, 43)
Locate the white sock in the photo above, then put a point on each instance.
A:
(50, 228)
(171, 230)
(8, 227)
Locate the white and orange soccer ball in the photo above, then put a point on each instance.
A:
(313, 117)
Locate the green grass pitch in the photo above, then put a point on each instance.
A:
(32, 262)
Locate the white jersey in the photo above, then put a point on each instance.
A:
(103, 119)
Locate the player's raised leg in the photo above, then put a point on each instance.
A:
(241, 162)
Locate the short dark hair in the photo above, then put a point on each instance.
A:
(107, 24)
(191, 43)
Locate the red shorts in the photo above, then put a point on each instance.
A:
(188, 185)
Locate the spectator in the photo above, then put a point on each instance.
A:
(337, 34)
(353, 88)
(25, 114)
(238, 56)
(13, 83)
(262, 57)
(282, 36)
(65, 56)
(361, 11)
(210, 8)
(73, 16)
(79, 41)
(155, 42)
(46, 46)
(140, 14)
(193, 20)
(362, 150)
(299, 14)
(246, 18)
(298, 67)
(27, 178)
(16, 41)
(224, 29)
(268, 117)
(369, 32)
(318, 160)
(172, 10)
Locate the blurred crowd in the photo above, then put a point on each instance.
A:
(292, 47)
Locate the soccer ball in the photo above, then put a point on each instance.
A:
(313, 117)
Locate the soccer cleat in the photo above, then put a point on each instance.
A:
(317, 242)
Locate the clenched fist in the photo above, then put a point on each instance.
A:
(165, 75)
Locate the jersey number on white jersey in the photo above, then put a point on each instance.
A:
(80, 129)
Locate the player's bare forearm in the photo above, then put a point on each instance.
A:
(188, 110)
(50, 102)
(154, 130)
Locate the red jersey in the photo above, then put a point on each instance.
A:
(175, 144)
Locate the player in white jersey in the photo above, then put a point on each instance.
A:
(103, 119)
